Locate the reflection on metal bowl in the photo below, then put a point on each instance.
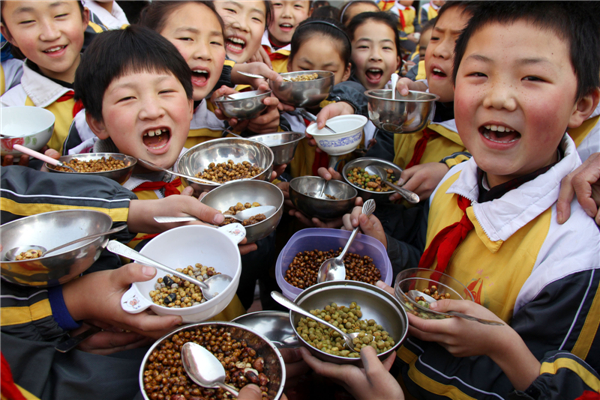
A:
(304, 94)
(404, 114)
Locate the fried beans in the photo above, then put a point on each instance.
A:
(229, 171)
(100, 165)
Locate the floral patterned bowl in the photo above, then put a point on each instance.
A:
(31, 127)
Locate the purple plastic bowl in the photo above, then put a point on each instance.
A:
(324, 239)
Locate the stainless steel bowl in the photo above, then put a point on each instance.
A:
(120, 175)
(200, 156)
(274, 325)
(305, 93)
(379, 197)
(249, 191)
(50, 230)
(274, 366)
(405, 114)
(304, 189)
(283, 144)
(375, 303)
(243, 105)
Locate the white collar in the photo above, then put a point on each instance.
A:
(41, 90)
(501, 218)
(112, 20)
(265, 42)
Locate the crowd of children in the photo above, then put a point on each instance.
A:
(515, 137)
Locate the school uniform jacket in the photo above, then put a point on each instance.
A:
(408, 14)
(279, 58)
(111, 20)
(11, 71)
(538, 276)
(427, 12)
(38, 91)
(205, 125)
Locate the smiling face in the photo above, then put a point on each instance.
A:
(147, 115)
(320, 53)
(196, 32)
(287, 14)
(374, 54)
(514, 99)
(50, 34)
(245, 23)
(439, 56)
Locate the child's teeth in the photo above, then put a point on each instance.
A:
(436, 70)
(237, 40)
(54, 49)
(200, 71)
(151, 133)
(158, 132)
(498, 128)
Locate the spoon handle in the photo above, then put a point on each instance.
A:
(125, 251)
(96, 235)
(411, 197)
(278, 297)
(228, 388)
(348, 243)
(472, 318)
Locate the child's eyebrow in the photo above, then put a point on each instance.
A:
(196, 31)
(455, 32)
(521, 61)
(25, 9)
(135, 84)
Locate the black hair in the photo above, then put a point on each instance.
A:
(326, 12)
(344, 17)
(114, 54)
(429, 24)
(571, 21)
(468, 5)
(268, 12)
(155, 15)
(327, 27)
(380, 16)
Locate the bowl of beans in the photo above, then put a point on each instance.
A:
(31, 127)
(225, 160)
(243, 105)
(299, 261)
(348, 134)
(195, 250)
(115, 166)
(353, 306)
(337, 199)
(238, 196)
(370, 186)
(303, 88)
(432, 283)
(247, 356)
(50, 230)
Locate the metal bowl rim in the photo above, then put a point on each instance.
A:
(303, 135)
(194, 325)
(258, 95)
(371, 95)
(347, 165)
(299, 178)
(326, 75)
(126, 157)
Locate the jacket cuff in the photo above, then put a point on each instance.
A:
(59, 309)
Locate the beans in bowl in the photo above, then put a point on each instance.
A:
(233, 210)
(360, 177)
(174, 292)
(166, 379)
(302, 272)
(305, 77)
(229, 171)
(100, 165)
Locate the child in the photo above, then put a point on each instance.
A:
(353, 8)
(429, 11)
(245, 22)
(107, 13)
(406, 15)
(51, 36)
(522, 76)
(138, 101)
(417, 72)
(287, 14)
(375, 58)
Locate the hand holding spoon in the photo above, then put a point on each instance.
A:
(334, 268)
(204, 368)
(411, 197)
(41, 156)
(154, 167)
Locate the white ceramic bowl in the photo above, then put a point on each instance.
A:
(349, 130)
(178, 248)
(31, 127)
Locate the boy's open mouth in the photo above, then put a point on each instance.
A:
(200, 77)
(374, 74)
(155, 139)
(235, 44)
(55, 49)
(438, 72)
(499, 134)
(286, 27)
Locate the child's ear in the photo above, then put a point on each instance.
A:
(97, 127)
(85, 16)
(398, 63)
(347, 72)
(191, 105)
(583, 108)
(6, 34)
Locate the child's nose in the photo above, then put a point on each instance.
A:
(500, 96)
(151, 109)
(444, 50)
(242, 25)
(202, 51)
(375, 55)
(49, 31)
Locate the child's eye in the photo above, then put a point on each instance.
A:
(166, 91)
(478, 74)
(231, 10)
(387, 48)
(362, 46)
(258, 20)
(29, 21)
(277, 4)
(125, 99)
(534, 79)
(217, 43)
(61, 15)
(185, 39)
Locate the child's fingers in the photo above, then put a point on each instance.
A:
(247, 248)
(386, 287)
(127, 274)
(205, 213)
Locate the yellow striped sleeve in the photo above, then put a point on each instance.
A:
(589, 330)
(25, 315)
(27, 209)
(581, 371)
(229, 63)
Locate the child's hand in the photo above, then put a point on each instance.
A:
(421, 179)
(96, 298)
(268, 120)
(405, 84)
(329, 173)
(277, 170)
(261, 55)
(316, 222)
(327, 112)
(373, 381)
(584, 182)
(256, 68)
(462, 338)
(370, 225)
(112, 340)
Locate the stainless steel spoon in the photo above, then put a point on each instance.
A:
(11, 254)
(414, 294)
(204, 368)
(256, 76)
(411, 197)
(395, 77)
(211, 287)
(240, 216)
(334, 268)
(154, 167)
(322, 191)
(311, 117)
(290, 305)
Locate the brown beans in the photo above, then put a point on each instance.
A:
(29, 255)
(302, 272)
(229, 171)
(100, 165)
(171, 291)
(233, 210)
(305, 77)
(165, 377)
(373, 183)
